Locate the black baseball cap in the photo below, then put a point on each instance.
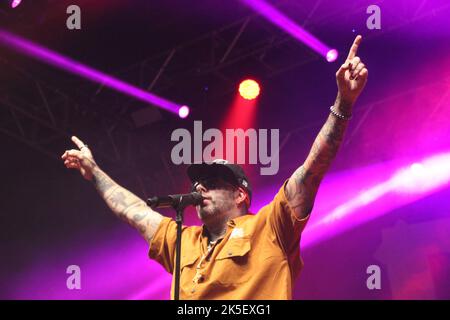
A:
(220, 168)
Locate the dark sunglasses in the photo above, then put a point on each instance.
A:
(213, 184)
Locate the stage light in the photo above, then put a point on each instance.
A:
(417, 169)
(15, 3)
(183, 112)
(55, 59)
(424, 176)
(272, 14)
(375, 194)
(332, 55)
(249, 89)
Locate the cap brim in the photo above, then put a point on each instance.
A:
(198, 171)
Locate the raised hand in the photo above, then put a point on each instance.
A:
(351, 76)
(80, 159)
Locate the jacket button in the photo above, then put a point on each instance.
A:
(230, 253)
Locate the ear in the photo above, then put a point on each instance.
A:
(241, 196)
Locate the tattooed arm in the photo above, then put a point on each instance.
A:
(126, 205)
(122, 202)
(302, 186)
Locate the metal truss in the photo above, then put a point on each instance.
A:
(43, 116)
(215, 56)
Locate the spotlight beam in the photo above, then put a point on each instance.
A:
(15, 3)
(280, 20)
(50, 57)
(407, 184)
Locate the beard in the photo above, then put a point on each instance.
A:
(214, 208)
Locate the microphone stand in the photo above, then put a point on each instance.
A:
(181, 204)
(179, 220)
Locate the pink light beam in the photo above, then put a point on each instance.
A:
(15, 3)
(50, 57)
(288, 25)
(407, 184)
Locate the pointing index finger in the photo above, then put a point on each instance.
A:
(354, 48)
(78, 142)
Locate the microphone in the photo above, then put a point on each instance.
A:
(175, 200)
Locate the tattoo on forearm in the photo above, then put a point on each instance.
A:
(302, 187)
(325, 147)
(139, 216)
(151, 225)
(102, 182)
(333, 132)
(118, 200)
(127, 206)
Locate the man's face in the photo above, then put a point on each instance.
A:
(219, 197)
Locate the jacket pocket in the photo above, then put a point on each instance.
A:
(187, 260)
(232, 262)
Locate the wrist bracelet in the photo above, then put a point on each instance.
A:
(340, 116)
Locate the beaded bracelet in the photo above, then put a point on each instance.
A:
(340, 116)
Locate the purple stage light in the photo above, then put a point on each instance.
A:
(50, 57)
(288, 25)
(160, 288)
(332, 55)
(183, 112)
(117, 267)
(15, 3)
(366, 194)
(372, 192)
(424, 176)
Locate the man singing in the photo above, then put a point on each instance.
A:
(234, 254)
